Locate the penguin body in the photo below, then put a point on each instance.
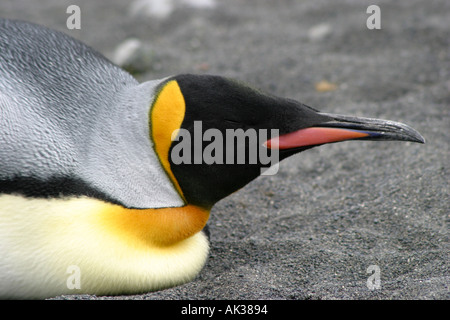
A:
(88, 179)
(112, 248)
(74, 137)
(62, 101)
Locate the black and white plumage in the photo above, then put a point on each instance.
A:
(86, 179)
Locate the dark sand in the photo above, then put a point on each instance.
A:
(312, 230)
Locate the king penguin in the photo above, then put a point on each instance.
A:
(91, 199)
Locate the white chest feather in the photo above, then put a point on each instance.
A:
(50, 247)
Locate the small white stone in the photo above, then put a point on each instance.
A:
(152, 8)
(200, 3)
(126, 50)
(320, 31)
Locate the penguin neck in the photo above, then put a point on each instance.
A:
(118, 158)
(155, 227)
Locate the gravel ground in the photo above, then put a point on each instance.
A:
(312, 230)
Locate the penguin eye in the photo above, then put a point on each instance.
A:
(166, 116)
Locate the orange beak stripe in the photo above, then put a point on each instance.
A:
(313, 136)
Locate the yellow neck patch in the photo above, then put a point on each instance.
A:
(166, 116)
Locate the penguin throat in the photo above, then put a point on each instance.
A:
(160, 227)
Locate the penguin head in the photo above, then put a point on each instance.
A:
(214, 135)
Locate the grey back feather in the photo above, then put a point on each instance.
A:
(66, 111)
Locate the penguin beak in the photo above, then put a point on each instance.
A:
(341, 128)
